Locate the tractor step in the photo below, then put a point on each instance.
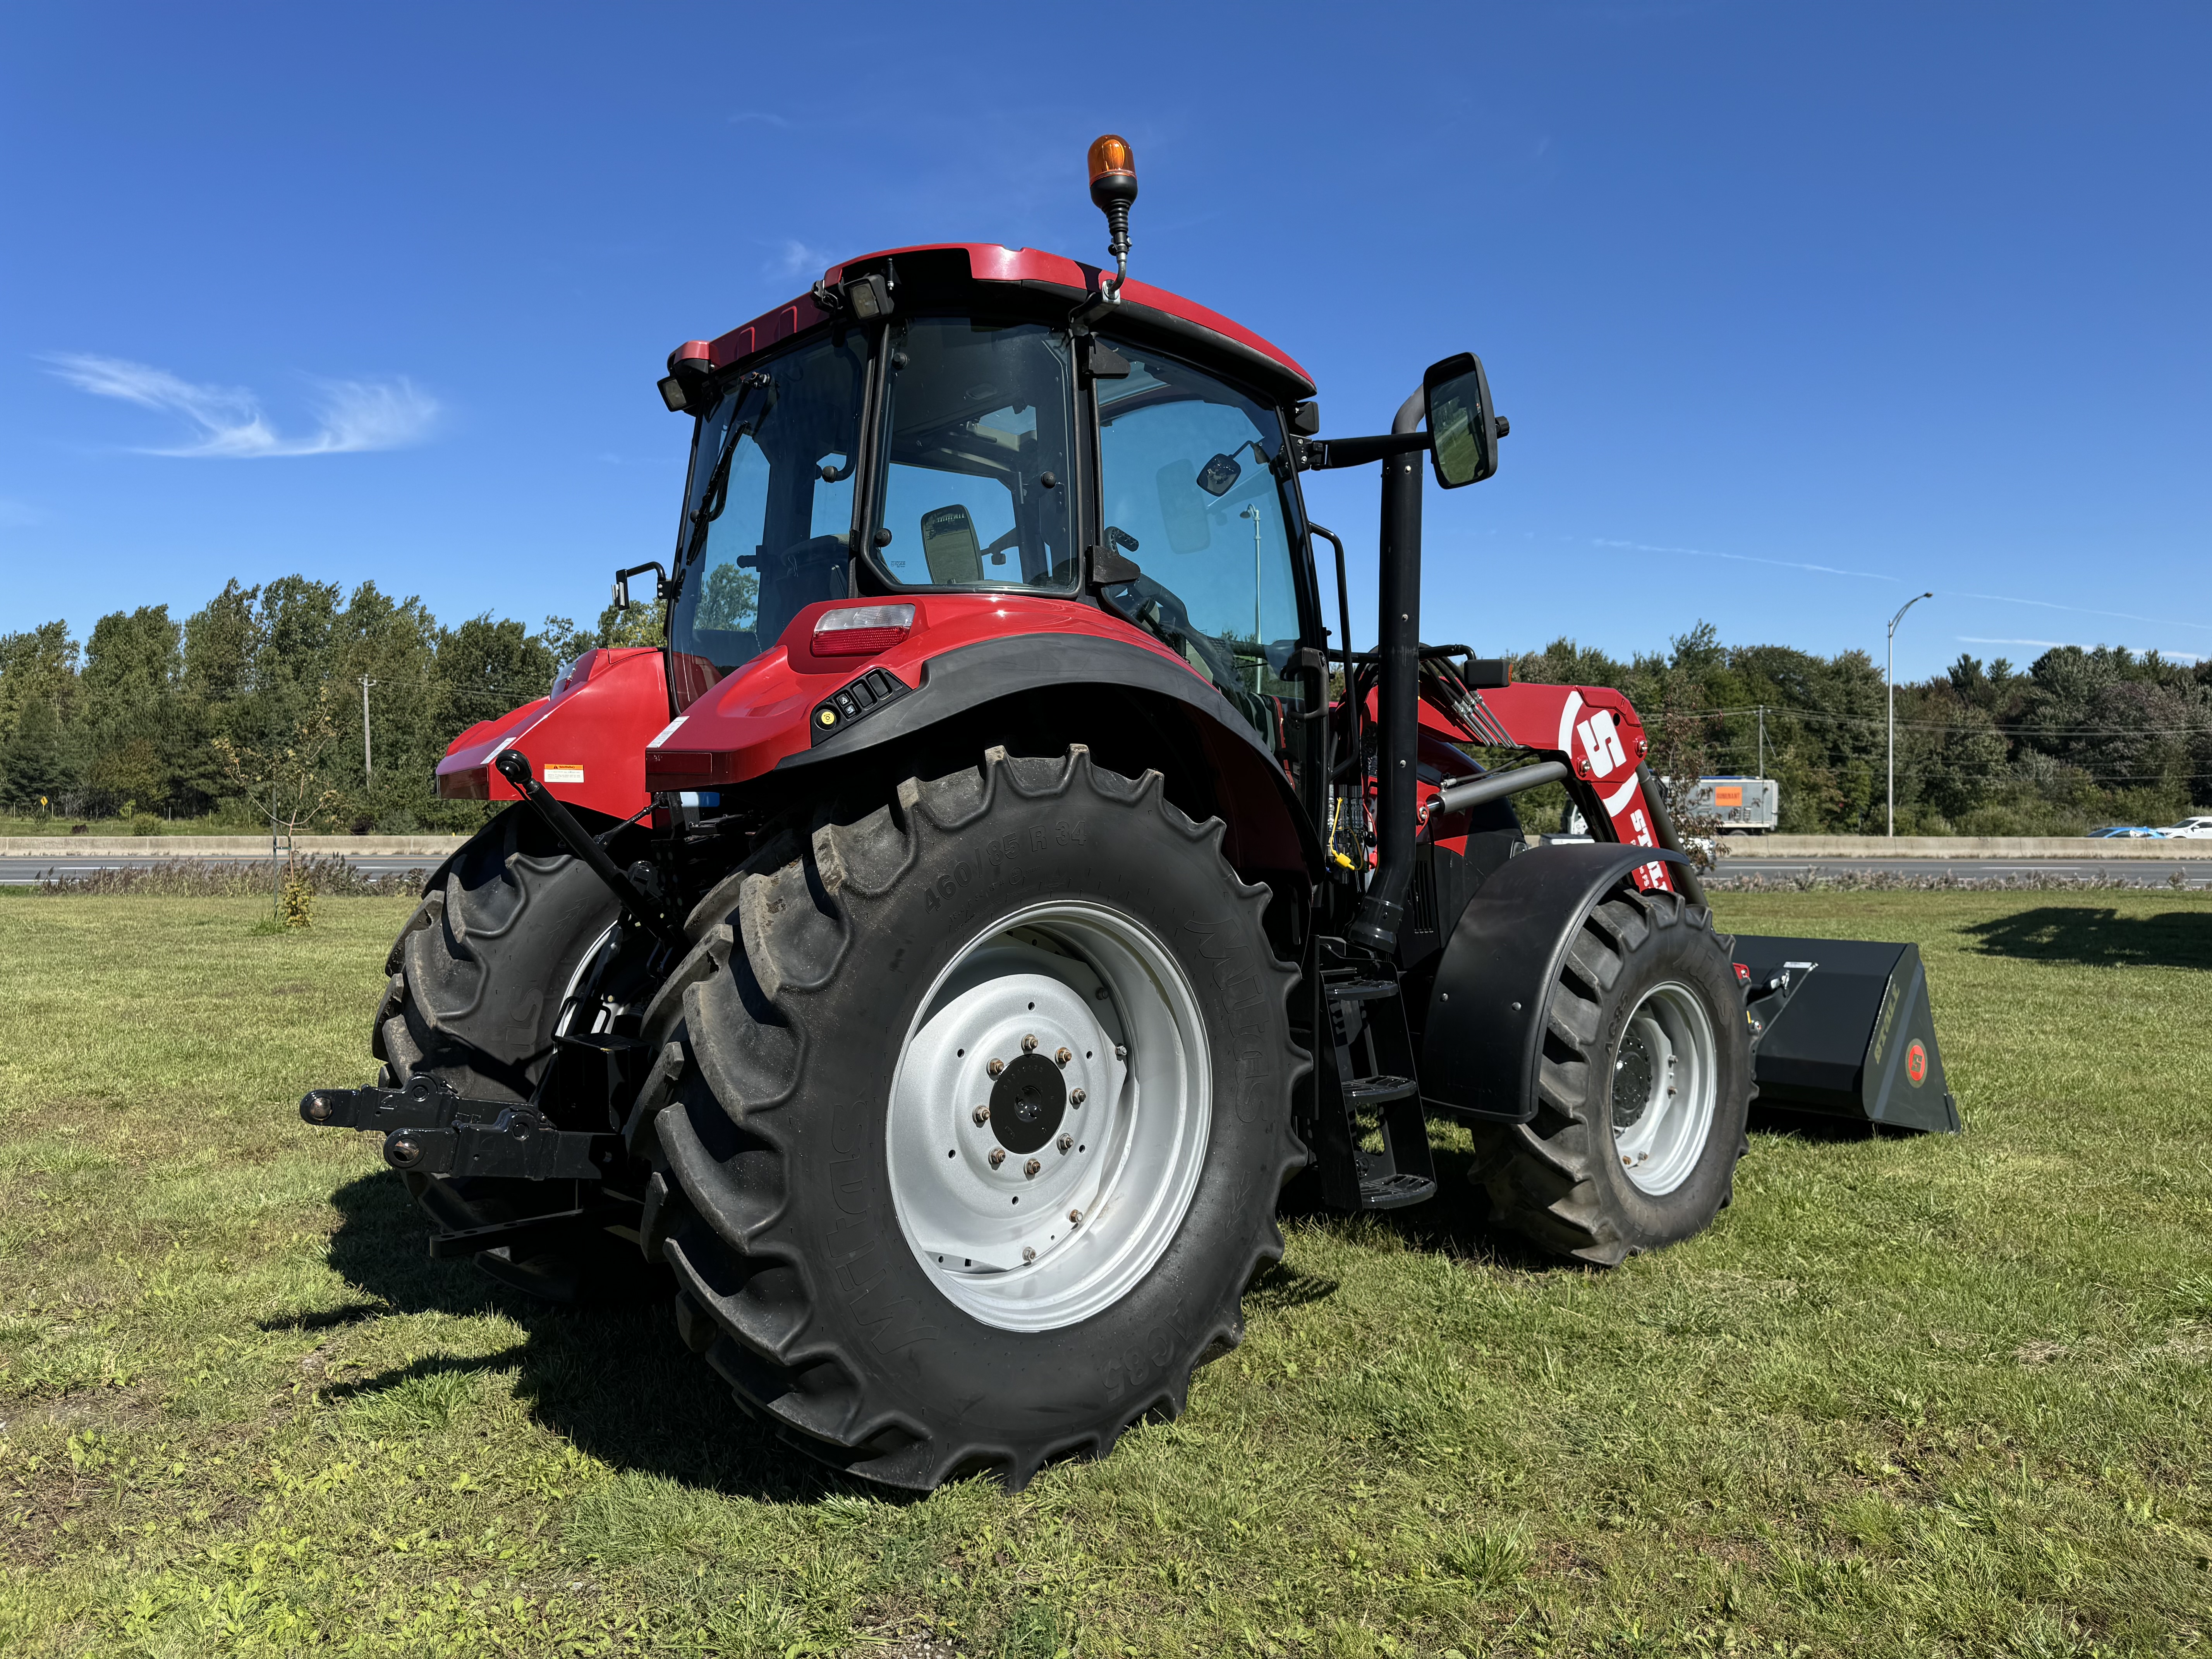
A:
(1395, 1192)
(1361, 990)
(1367, 1090)
(1378, 1091)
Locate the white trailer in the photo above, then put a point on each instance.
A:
(1745, 806)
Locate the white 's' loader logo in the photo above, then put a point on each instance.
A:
(1602, 745)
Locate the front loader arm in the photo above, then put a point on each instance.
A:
(1594, 731)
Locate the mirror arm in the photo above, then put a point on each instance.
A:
(1319, 454)
(621, 582)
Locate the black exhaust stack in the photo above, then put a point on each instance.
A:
(1398, 696)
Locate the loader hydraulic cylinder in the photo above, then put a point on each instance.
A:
(1497, 786)
(1398, 697)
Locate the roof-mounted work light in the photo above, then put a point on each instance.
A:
(1113, 187)
(688, 366)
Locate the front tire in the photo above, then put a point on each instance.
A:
(1645, 1091)
(480, 981)
(830, 1047)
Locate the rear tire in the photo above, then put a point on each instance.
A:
(1643, 1094)
(831, 1033)
(479, 978)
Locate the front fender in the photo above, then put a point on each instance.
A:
(585, 742)
(1483, 1039)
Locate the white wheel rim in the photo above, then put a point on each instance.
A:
(1035, 1248)
(1665, 1083)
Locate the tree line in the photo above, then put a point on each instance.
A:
(152, 718)
(2077, 739)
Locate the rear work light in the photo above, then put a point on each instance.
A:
(862, 630)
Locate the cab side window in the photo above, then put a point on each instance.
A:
(1190, 494)
(975, 489)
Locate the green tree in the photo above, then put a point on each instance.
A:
(31, 764)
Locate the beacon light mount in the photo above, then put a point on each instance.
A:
(1113, 187)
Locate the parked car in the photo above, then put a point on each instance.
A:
(2196, 829)
(2132, 832)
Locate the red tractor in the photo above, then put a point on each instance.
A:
(941, 955)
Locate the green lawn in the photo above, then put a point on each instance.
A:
(1911, 1397)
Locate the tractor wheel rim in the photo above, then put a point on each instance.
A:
(1665, 1084)
(1099, 1154)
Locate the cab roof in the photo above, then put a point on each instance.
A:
(1144, 307)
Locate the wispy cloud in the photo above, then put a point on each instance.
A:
(14, 514)
(1880, 576)
(356, 415)
(2084, 610)
(2056, 645)
(795, 259)
(1743, 558)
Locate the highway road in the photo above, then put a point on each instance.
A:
(2135, 872)
(2139, 873)
(26, 872)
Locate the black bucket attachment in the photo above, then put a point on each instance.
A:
(1853, 1036)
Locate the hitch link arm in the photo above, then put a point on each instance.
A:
(514, 767)
(429, 1129)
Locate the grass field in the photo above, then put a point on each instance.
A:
(1909, 1396)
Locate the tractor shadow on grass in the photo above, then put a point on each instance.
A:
(2097, 937)
(609, 1375)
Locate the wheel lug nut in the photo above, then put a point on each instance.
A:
(1078, 1098)
(1121, 1053)
(999, 1157)
(982, 1115)
(1029, 1045)
(1064, 1056)
(1028, 1252)
(1031, 1168)
(1075, 1218)
(1067, 1141)
(995, 1068)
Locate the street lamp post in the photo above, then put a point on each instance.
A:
(1889, 685)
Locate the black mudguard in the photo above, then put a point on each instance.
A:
(1856, 1038)
(1483, 1038)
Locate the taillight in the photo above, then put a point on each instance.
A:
(862, 630)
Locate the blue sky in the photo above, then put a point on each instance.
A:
(1796, 310)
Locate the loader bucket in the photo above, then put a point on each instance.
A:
(1856, 1039)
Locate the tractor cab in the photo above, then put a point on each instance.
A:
(979, 425)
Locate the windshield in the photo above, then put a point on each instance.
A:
(767, 518)
(975, 487)
(1192, 487)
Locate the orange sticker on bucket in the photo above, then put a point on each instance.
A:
(1916, 1064)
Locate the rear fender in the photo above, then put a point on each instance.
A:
(1483, 1039)
(1136, 709)
(1049, 673)
(585, 742)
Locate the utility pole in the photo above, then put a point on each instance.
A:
(1260, 673)
(1762, 740)
(365, 683)
(1889, 686)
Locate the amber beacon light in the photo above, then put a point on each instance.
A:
(1113, 187)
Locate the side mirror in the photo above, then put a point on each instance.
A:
(621, 582)
(1463, 427)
